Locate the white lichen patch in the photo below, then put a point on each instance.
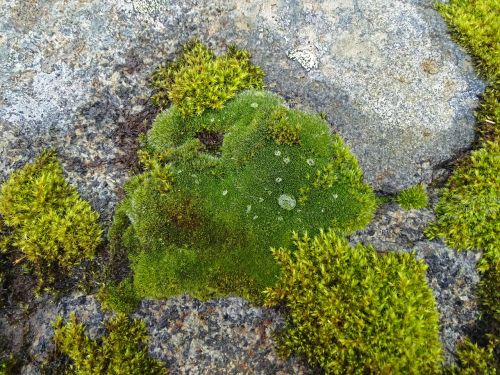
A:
(305, 57)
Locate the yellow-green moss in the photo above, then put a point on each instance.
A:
(45, 218)
(123, 350)
(414, 197)
(281, 129)
(352, 311)
(199, 80)
(475, 360)
(468, 212)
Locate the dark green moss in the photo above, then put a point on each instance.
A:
(352, 311)
(222, 211)
(475, 360)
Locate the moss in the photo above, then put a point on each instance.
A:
(469, 209)
(351, 311)
(8, 365)
(225, 209)
(119, 296)
(123, 350)
(199, 80)
(474, 360)
(414, 197)
(476, 26)
(46, 220)
(281, 129)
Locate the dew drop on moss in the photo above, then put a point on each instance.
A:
(287, 202)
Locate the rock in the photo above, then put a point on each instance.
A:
(451, 275)
(219, 336)
(453, 278)
(74, 75)
(385, 73)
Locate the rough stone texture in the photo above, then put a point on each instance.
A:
(452, 275)
(385, 73)
(73, 73)
(223, 336)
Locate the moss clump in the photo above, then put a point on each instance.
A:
(119, 296)
(123, 350)
(473, 360)
(352, 311)
(199, 80)
(282, 130)
(8, 365)
(414, 197)
(45, 218)
(476, 26)
(209, 233)
(468, 212)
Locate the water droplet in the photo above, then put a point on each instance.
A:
(287, 202)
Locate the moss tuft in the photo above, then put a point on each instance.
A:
(476, 26)
(474, 360)
(123, 350)
(119, 296)
(468, 214)
(45, 218)
(199, 80)
(351, 311)
(281, 129)
(414, 197)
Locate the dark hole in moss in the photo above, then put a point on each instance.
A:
(211, 140)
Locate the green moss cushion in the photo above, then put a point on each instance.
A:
(222, 188)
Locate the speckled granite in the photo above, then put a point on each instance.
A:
(223, 336)
(386, 74)
(73, 76)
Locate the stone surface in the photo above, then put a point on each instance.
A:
(452, 275)
(223, 336)
(73, 74)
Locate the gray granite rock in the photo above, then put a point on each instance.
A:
(451, 275)
(73, 74)
(223, 336)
